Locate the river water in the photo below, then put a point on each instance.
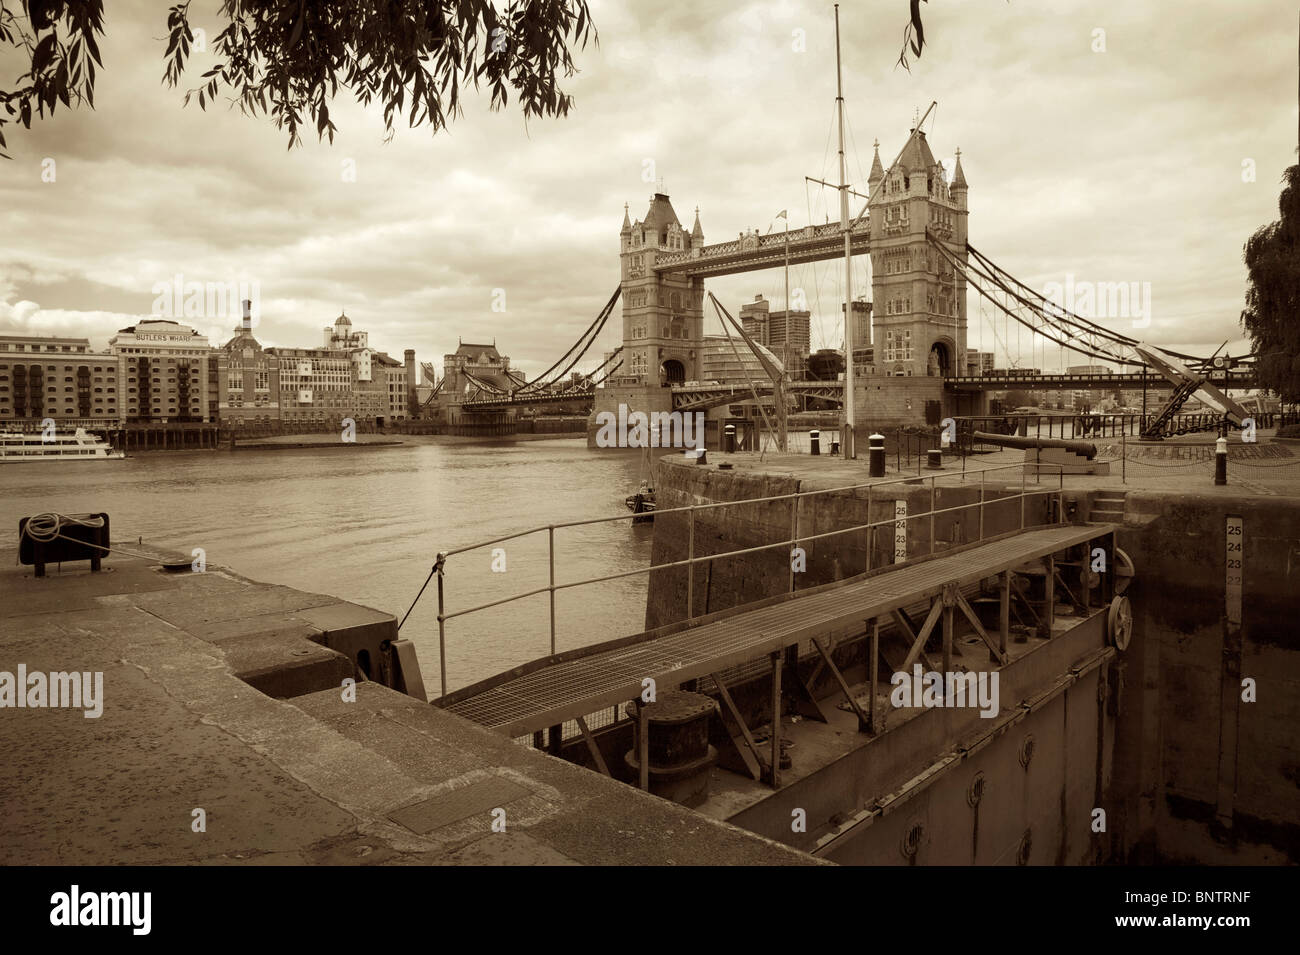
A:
(364, 524)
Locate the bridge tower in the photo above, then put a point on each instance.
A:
(663, 313)
(919, 304)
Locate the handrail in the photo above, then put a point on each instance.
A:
(700, 507)
(794, 540)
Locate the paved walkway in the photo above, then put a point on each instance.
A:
(1176, 465)
(313, 779)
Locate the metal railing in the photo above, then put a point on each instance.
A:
(794, 540)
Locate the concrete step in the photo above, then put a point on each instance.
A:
(284, 668)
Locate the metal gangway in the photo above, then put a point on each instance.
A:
(569, 687)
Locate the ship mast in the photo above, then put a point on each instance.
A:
(846, 432)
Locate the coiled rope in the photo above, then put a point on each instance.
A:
(45, 527)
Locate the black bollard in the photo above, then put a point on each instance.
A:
(1221, 461)
(934, 460)
(814, 442)
(729, 438)
(876, 455)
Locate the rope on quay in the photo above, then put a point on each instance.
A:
(45, 528)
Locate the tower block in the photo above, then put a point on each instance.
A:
(919, 301)
(663, 315)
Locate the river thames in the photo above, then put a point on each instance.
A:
(364, 524)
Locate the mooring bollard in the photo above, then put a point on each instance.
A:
(815, 442)
(876, 455)
(1221, 461)
(729, 438)
(934, 460)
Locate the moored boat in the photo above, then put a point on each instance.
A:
(642, 504)
(16, 446)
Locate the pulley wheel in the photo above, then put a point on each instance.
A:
(1119, 623)
(1123, 571)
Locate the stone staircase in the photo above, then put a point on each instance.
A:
(1108, 507)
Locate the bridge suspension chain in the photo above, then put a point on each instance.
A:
(1058, 330)
(589, 336)
(1056, 315)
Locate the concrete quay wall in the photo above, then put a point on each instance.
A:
(1212, 778)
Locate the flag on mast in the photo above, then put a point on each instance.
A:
(782, 215)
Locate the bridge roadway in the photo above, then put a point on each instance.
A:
(569, 686)
(700, 396)
(1131, 381)
(753, 252)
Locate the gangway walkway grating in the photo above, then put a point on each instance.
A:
(566, 689)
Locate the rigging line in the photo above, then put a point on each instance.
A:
(830, 129)
(717, 306)
(857, 157)
(821, 319)
(817, 297)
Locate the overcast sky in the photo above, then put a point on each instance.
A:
(1117, 166)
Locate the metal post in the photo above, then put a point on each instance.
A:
(794, 536)
(1022, 498)
(442, 630)
(1004, 611)
(550, 547)
(1123, 460)
(1049, 593)
(981, 537)
(643, 745)
(932, 506)
(948, 630)
(690, 566)
(871, 530)
(847, 443)
(776, 719)
(875, 671)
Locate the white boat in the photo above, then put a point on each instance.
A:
(16, 446)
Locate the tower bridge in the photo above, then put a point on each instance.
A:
(917, 331)
(908, 353)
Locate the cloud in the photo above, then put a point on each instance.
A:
(1115, 166)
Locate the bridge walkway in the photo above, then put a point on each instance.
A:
(533, 698)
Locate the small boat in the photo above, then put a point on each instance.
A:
(17, 446)
(642, 503)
